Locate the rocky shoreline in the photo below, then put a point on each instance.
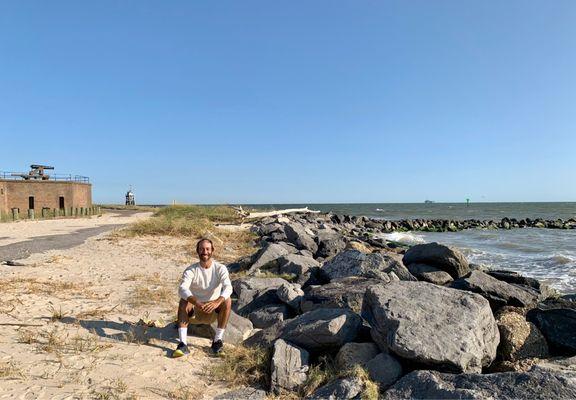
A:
(422, 321)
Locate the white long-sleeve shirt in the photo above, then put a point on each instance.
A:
(205, 283)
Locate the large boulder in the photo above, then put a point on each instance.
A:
(519, 339)
(355, 263)
(237, 330)
(556, 319)
(352, 354)
(340, 293)
(268, 253)
(384, 369)
(329, 242)
(254, 293)
(515, 278)
(497, 292)
(339, 389)
(439, 256)
(537, 383)
(432, 325)
(300, 237)
(265, 338)
(430, 274)
(289, 367)
(324, 329)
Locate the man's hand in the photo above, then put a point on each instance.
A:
(210, 306)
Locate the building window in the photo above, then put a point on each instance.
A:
(31, 202)
(61, 202)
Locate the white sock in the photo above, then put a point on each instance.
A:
(183, 335)
(219, 334)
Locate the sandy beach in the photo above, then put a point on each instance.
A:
(69, 318)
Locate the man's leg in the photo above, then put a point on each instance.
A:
(224, 313)
(184, 310)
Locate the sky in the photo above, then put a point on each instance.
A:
(294, 101)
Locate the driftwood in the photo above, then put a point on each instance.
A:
(280, 212)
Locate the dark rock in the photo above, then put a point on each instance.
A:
(324, 329)
(330, 243)
(268, 315)
(254, 293)
(556, 319)
(384, 369)
(352, 354)
(497, 292)
(340, 293)
(538, 383)
(430, 274)
(432, 325)
(340, 389)
(289, 367)
(439, 256)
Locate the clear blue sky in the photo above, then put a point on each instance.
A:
(294, 101)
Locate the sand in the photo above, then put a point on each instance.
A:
(69, 318)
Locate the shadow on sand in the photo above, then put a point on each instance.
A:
(128, 332)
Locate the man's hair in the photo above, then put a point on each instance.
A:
(204, 240)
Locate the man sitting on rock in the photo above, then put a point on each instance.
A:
(205, 291)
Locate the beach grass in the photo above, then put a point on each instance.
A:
(243, 366)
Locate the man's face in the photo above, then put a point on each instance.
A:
(205, 251)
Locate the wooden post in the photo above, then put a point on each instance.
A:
(15, 213)
(31, 213)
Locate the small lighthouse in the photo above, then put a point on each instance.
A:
(130, 197)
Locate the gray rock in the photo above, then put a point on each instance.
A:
(268, 315)
(430, 274)
(291, 294)
(355, 263)
(537, 383)
(268, 253)
(543, 290)
(330, 243)
(265, 338)
(352, 354)
(297, 235)
(340, 293)
(254, 293)
(497, 292)
(432, 325)
(237, 330)
(321, 330)
(519, 339)
(296, 264)
(340, 389)
(384, 369)
(246, 393)
(289, 367)
(439, 256)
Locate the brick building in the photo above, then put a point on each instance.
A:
(36, 190)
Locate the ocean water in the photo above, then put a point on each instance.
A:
(546, 254)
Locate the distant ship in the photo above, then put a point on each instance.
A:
(428, 201)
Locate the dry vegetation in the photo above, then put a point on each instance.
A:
(59, 342)
(9, 370)
(59, 289)
(243, 366)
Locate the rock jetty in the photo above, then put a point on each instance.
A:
(422, 321)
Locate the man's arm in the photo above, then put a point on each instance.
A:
(184, 289)
(225, 291)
